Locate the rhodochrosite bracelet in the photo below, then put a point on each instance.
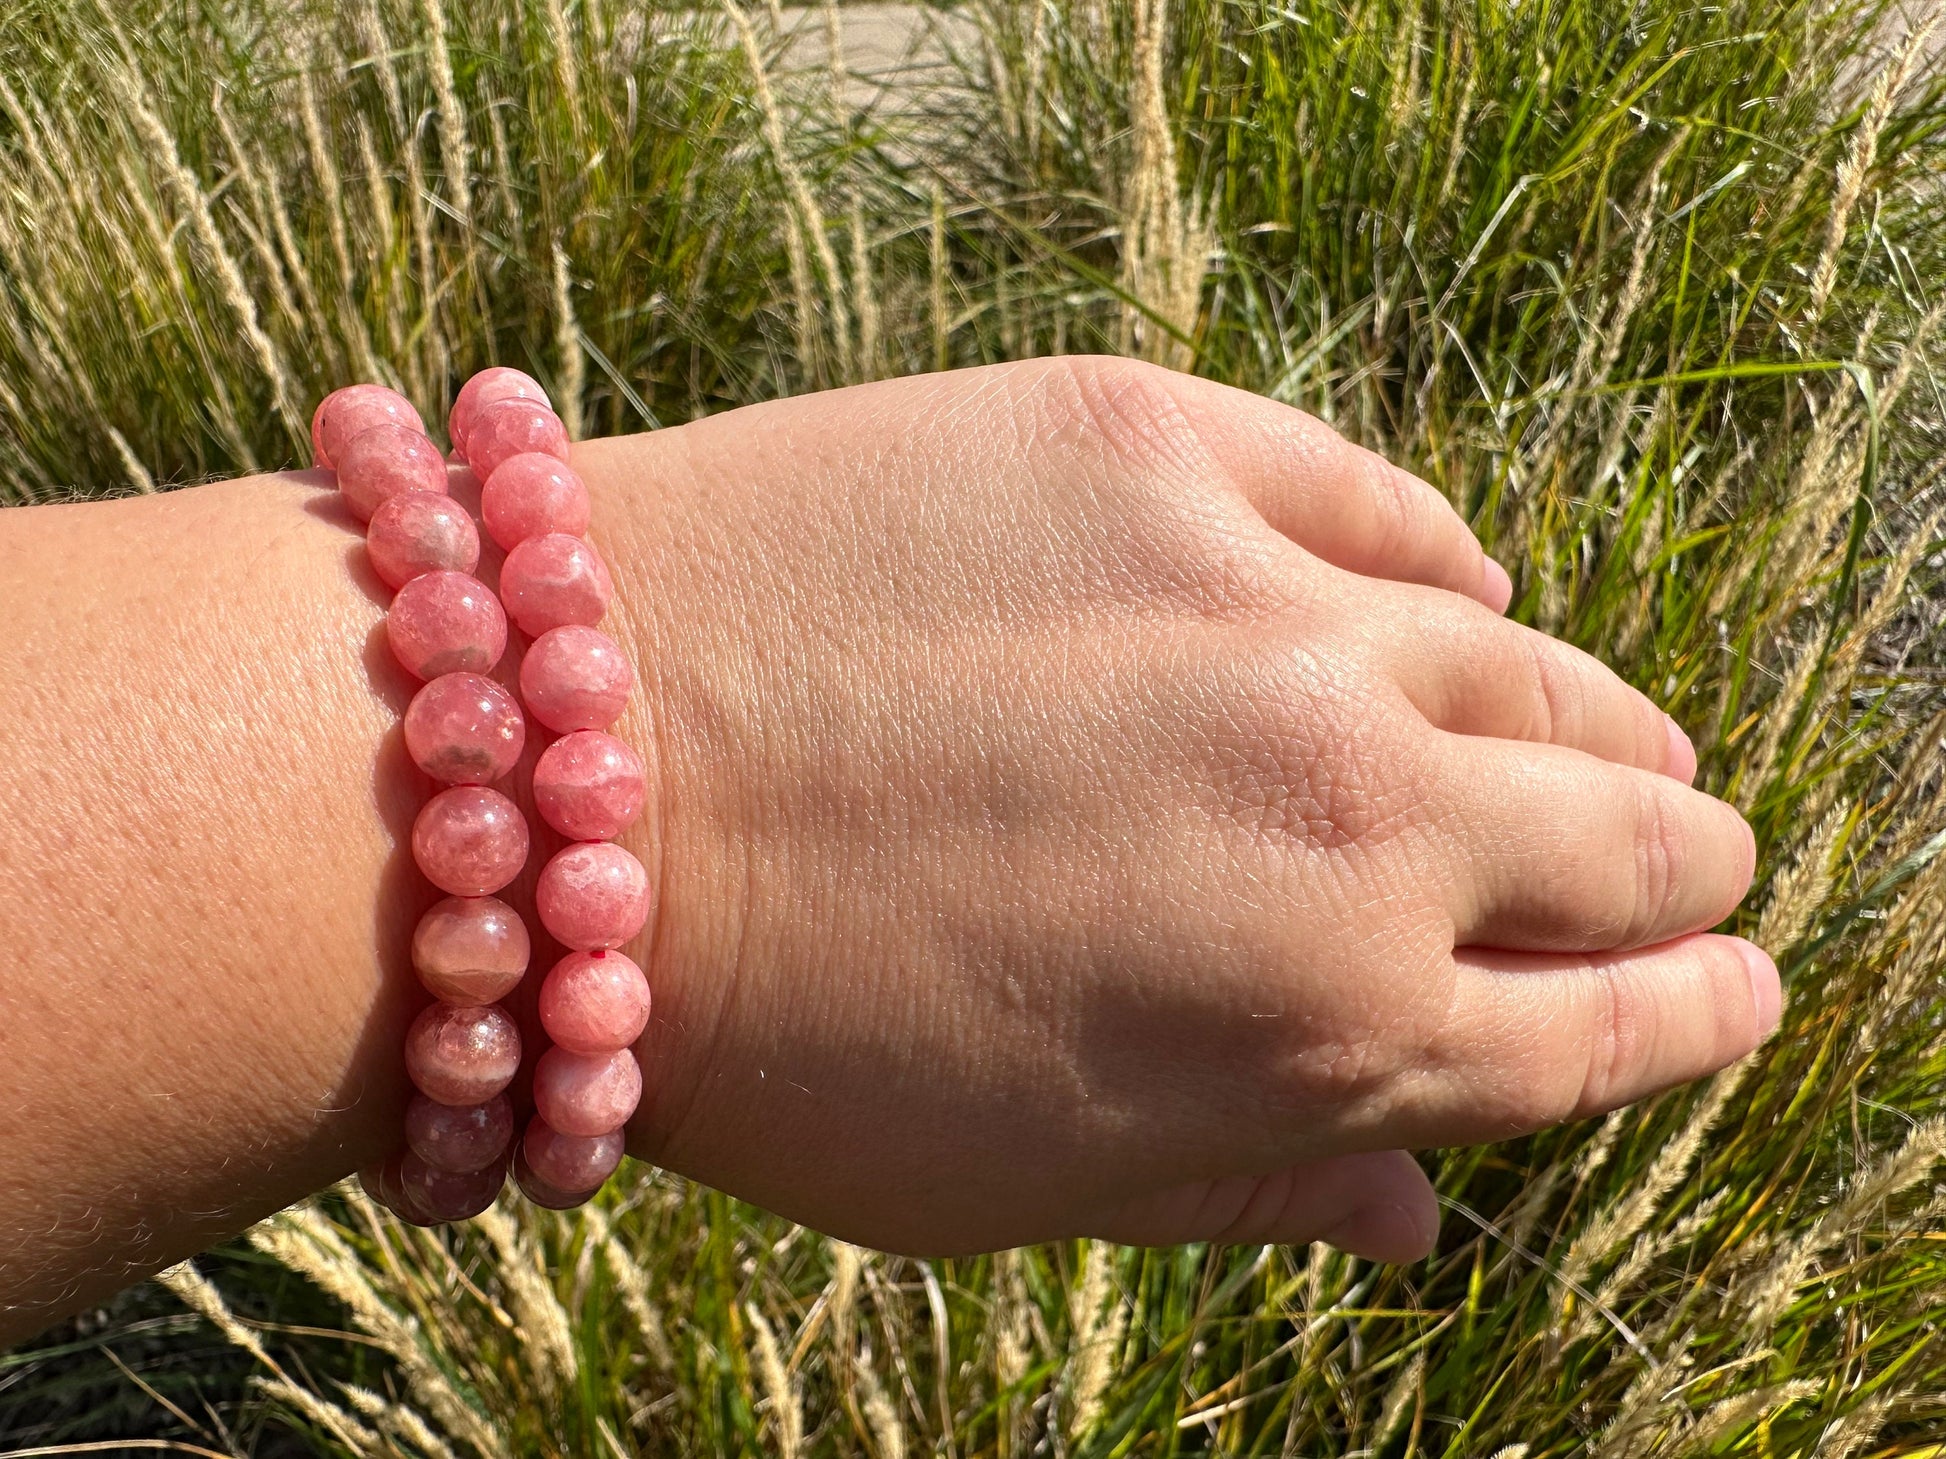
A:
(467, 732)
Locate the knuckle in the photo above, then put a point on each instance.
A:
(1612, 1043)
(1128, 407)
(1302, 753)
(1658, 852)
(1363, 1044)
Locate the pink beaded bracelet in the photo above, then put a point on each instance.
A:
(466, 731)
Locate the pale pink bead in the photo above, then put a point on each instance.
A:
(510, 428)
(570, 1162)
(496, 382)
(344, 414)
(384, 461)
(418, 532)
(575, 678)
(464, 729)
(540, 1193)
(548, 581)
(470, 841)
(590, 786)
(462, 1055)
(470, 950)
(445, 623)
(459, 1136)
(449, 1195)
(531, 495)
(587, 1094)
(595, 1002)
(593, 894)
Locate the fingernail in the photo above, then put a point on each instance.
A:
(1496, 588)
(1766, 988)
(1384, 1232)
(1682, 754)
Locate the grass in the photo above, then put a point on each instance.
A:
(1647, 287)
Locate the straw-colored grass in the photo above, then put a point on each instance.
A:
(1651, 289)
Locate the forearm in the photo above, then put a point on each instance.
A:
(207, 892)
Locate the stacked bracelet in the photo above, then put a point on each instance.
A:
(465, 730)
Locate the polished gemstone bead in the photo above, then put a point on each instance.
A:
(575, 678)
(592, 894)
(590, 786)
(449, 1195)
(548, 581)
(371, 1180)
(594, 1002)
(587, 1094)
(384, 1186)
(541, 1193)
(570, 1162)
(464, 729)
(470, 840)
(459, 1136)
(417, 532)
(531, 495)
(444, 623)
(470, 950)
(384, 461)
(509, 428)
(462, 1055)
(344, 414)
(496, 382)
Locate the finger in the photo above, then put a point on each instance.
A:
(1473, 673)
(1530, 1040)
(1561, 852)
(1340, 502)
(1378, 1205)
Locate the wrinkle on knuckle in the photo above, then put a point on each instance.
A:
(1657, 856)
(1610, 1036)
(1551, 699)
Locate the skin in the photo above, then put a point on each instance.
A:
(1087, 800)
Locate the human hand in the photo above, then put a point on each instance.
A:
(1090, 803)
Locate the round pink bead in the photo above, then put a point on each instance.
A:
(593, 894)
(496, 382)
(343, 414)
(594, 1002)
(587, 1094)
(470, 950)
(590, 786)
(445, 623)
(371, 1180)
(532, 495)
(384, 461)
(510, 428)
(570, 1162)
(470, 841)
(449, 1195)
(548, 581)
(575, 678)
(541, 1193)
(462, 1055)
(459, 1136)
(418, 532)
(383, 1187)
(464, 729)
